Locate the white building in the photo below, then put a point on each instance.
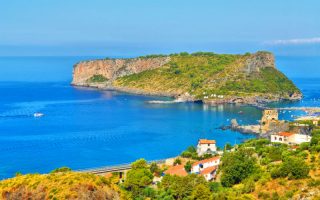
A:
(290, 138)
(206, 147)
(209, 173)
(201, 165)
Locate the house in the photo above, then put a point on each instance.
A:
(209, 173)
(290, 138)
(201, 165)
(176, 170)
(206, 147)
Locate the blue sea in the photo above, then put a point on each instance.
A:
(87, 128)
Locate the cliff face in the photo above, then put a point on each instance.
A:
(112, 69)
(259, 61)
(209, 77)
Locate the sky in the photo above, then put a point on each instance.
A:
(127, 28)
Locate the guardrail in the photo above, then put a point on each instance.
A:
(114, 168)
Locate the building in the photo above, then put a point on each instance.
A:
(290, 138)
(201, 165)
(209, 173)
(269, 116)
(206, 147)
(176, 170)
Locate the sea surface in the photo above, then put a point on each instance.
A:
(87, 128)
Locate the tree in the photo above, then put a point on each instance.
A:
(154, 168)
(201, 192)
(249, 186)
(228, 146)
(237, 166)
(215, 186)
(138, 178)
(180, 187)
(295, 168)
(188, 166)
(177, 161)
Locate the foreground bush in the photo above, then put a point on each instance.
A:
(62, 185)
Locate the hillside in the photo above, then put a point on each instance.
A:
(256, 169)
(212, 78)
(57, 185)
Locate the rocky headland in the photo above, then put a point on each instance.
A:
(207, 77)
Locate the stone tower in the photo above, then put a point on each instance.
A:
(269, 116)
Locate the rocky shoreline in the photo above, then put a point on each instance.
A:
(251, 100)
(222, 87)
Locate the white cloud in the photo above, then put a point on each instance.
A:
(315, 40)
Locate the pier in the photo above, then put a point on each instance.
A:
(309, 110)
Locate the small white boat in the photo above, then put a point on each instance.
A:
(38, 114)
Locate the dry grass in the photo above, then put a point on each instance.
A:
(62, 185)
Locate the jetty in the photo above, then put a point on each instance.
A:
(310, 110)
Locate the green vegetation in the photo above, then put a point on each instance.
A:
(191, 186)
(152, 56)
(58, 185)
(237, 166)
(256, 169)
(98, 78)
(206, 74)
(138, 179)
(269, 80)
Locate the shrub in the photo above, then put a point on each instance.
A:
(61, 169)
(201, 192)
(263, 195)
(237, 166)
(215, 186)
(138, 178)
(294, 168)
(97, 79)
(177, 161)
(249, 186)
(275, 196)
(289, 194)
(314, 183)
(188, 166)
(154, 168)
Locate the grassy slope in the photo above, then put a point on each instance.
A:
(62, 185)
(205, 74)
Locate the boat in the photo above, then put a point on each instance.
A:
(38, 114)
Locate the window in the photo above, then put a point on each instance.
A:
(275, 138)
(208, 144)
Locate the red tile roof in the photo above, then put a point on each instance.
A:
(205, 141)
(176, 170)
(285, 134)
(208, 170)
(206, 160)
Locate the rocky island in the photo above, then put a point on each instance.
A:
(202, 76)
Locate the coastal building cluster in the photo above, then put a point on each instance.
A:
(277, 131)
(206, 167)
(206, 160)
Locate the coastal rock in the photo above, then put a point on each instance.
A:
(207, 77)
(295, 96)
(113, 68)
(234, 124)
(259, 60)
